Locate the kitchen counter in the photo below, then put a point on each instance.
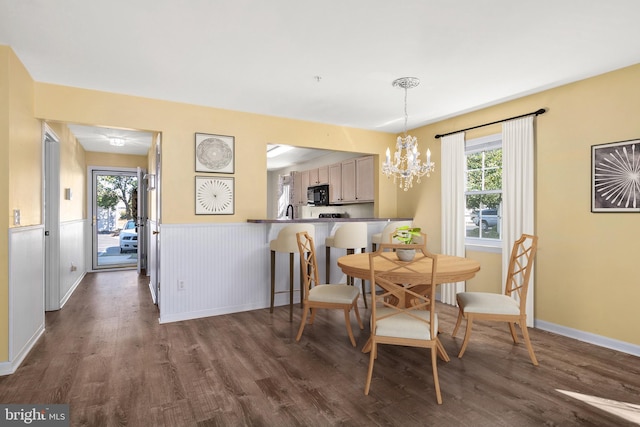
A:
(316, 220)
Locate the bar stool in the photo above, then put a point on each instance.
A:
(286, 242)
(350, 236)
(387, 232)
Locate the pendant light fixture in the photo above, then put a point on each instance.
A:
(406, 160)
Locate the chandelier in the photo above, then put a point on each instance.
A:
(406, 160)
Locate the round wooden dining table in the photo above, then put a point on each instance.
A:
(450, 269)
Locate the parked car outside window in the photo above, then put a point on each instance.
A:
(129, 237)
(487, 217)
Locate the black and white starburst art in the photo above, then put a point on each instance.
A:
(616, 177)
(214, 195)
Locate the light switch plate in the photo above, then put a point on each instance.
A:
(16, 217)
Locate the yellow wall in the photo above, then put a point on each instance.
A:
(25, 148)
(179, 123)
(21, 172)
(586, 270)
(5, 54)
(115, 160)
(73, 174)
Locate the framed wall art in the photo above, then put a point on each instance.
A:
(615, 177)
(215, 153)
(214, 195)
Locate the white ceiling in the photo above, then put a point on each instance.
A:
(265, 56)
(97, 139)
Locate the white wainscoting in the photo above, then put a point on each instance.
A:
(151, 254)
(72, 256)
(26, 293)
(225, 267)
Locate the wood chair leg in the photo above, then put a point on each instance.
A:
(467, 334)
(303, 322)
(349, 278)
(527, 341)
(290, 286)
(455, 328)
(436, 382)
(372, 358)
(512, 329)
(347, 322)
(355, 308)
(302, 273)
(273, 280)
(313, 315)
(442, 352)
(327, 267)
(364, 291)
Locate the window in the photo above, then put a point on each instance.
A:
(284, 195)
(483, 191)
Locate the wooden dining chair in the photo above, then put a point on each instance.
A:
(404, 313)
(340, 296)
(508, 307)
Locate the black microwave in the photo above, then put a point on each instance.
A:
(318, 195)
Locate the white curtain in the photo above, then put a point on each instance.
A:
(517, 192)
(452, 165)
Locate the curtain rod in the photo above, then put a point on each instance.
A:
(537, 113)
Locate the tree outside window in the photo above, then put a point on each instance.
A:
(115, 191)
(483, 192)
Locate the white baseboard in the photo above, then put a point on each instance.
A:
(8, 368)
(206, 313)
(598, 340)
(72, 289)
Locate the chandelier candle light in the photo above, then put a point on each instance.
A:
(407, 165)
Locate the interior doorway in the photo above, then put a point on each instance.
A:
(118, 215)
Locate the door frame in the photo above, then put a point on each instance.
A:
(51, 216)
(91, 247)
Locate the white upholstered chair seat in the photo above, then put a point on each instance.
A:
(403, 325)
(335, 294)
(481, 302)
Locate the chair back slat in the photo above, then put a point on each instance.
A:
(520, 268)
(308, 263)
(406, 286)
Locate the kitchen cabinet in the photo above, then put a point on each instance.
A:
(364, 179)
(335, 183)
(357, 180)
(349, 181)
(319, 176)
(300, 184)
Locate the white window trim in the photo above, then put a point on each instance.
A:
(473, 146)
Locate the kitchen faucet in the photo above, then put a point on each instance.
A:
(290, 206)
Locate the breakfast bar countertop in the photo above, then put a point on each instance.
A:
(312, 220)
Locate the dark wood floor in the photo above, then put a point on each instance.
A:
(106, 355)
